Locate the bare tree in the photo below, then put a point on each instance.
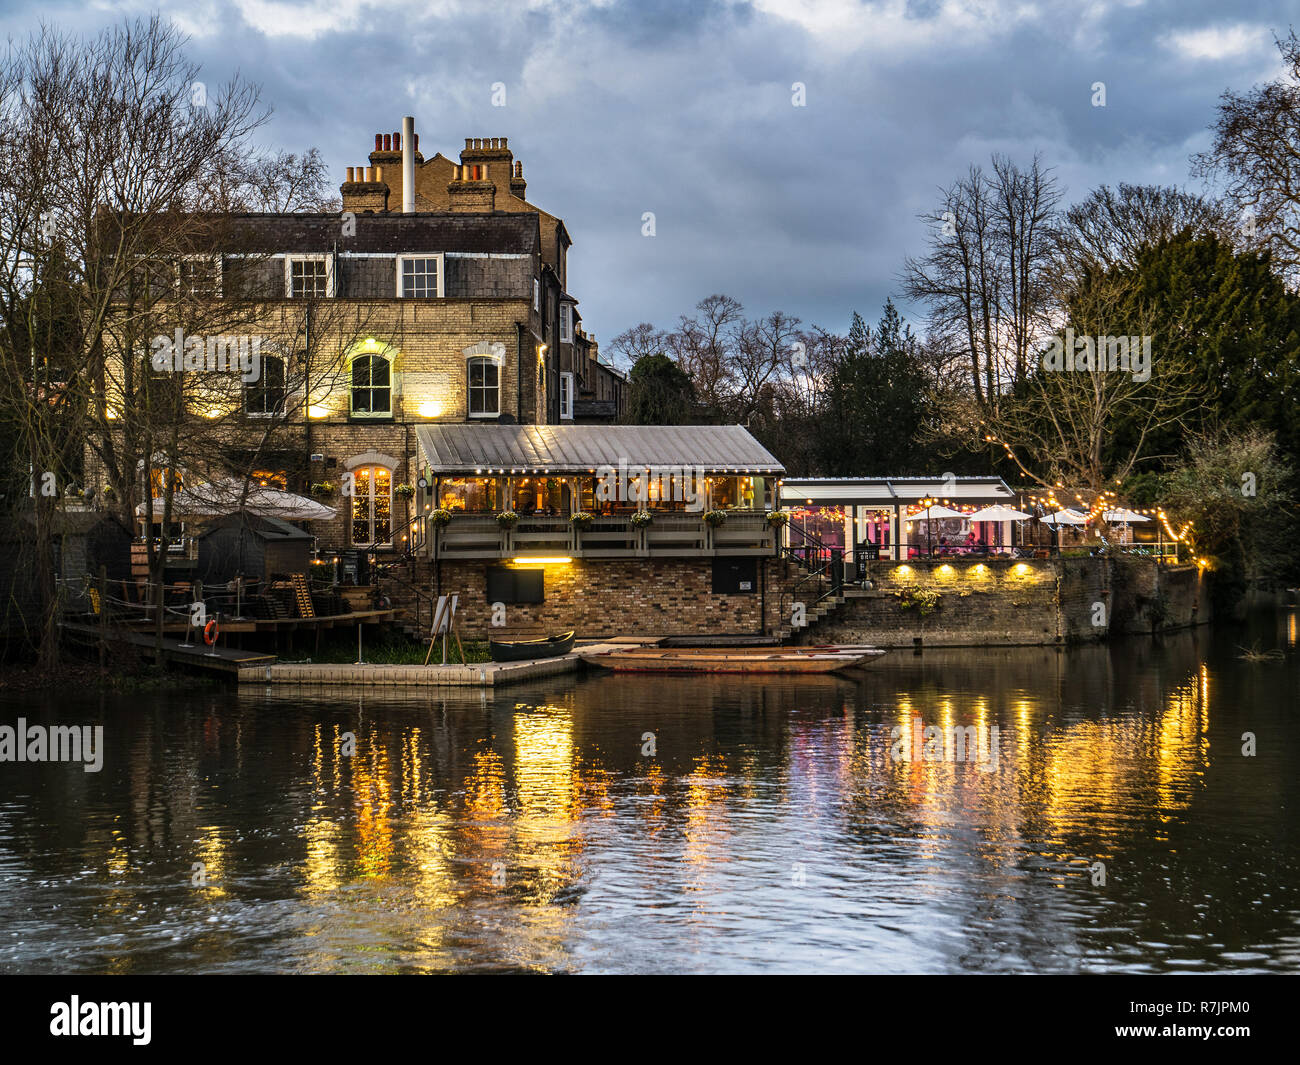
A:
(1256, 152)
(639, 341)
(1084, 421)
(986, 276)
(1111, 226)
(118, 166)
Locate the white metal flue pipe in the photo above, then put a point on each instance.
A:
(408, 165)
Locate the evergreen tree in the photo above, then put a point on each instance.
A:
(659, 393)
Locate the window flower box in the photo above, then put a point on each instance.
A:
(507, 519)
(714, 518)
(581, 519)
(642, 518)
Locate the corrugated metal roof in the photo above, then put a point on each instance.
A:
(891, 490)
(581, 448)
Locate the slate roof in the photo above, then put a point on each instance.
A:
(517, 234)
(584, 448)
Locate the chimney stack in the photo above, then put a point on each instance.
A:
(407, 141)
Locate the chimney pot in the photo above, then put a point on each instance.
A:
(351, 171)
(397, 142)
(416, 141)
(388, 142)
(379, 173)
(469, 142)
(379, 142)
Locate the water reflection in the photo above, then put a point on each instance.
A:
(765, 825)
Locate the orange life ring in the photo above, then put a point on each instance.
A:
(211, 631)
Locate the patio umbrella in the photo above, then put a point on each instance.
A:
(1065, 517)
(998, 512)
(1126, 517)
(933, 511)
(227, 496)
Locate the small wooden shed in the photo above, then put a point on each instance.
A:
(251, 546)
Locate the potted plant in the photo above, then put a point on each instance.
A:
(580, 519)
(406, 491)
(440, 516)
(714, 518)
(778, 518)
(110, 493)
(323, 489)
(507, 519)
(642, 518)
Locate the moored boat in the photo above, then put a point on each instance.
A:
(526, 650)
(731, 660)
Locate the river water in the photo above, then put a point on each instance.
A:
(608, 823)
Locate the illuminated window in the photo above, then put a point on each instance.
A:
(471, 494)
(372, 389)
(372, 505)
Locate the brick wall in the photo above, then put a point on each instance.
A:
(1005, 602)
(635, 597)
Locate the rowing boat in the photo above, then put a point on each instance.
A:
(727, 660)
(525, 650)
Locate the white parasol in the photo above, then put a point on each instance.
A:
(997, 512)
(1124, 517)
(1065, 517)
(226, 497)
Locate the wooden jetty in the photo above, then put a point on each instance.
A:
(225, 660)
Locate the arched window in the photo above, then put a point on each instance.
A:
(484, 387)
(372, 389)
(372, 505)
(265, 396)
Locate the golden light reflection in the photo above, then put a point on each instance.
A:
(372, 788)
(706, 823)
(211, 851)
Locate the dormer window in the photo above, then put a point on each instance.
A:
(419, 276)
(308, 277)
(199, 276)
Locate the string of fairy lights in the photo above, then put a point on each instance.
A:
(1105, 501)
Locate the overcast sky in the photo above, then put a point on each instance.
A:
(685, 109)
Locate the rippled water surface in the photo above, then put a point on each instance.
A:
(769, 830)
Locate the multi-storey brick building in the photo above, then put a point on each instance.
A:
(448, 304)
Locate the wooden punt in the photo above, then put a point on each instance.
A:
(703, 660)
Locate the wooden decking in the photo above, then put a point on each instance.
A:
(197, 655)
